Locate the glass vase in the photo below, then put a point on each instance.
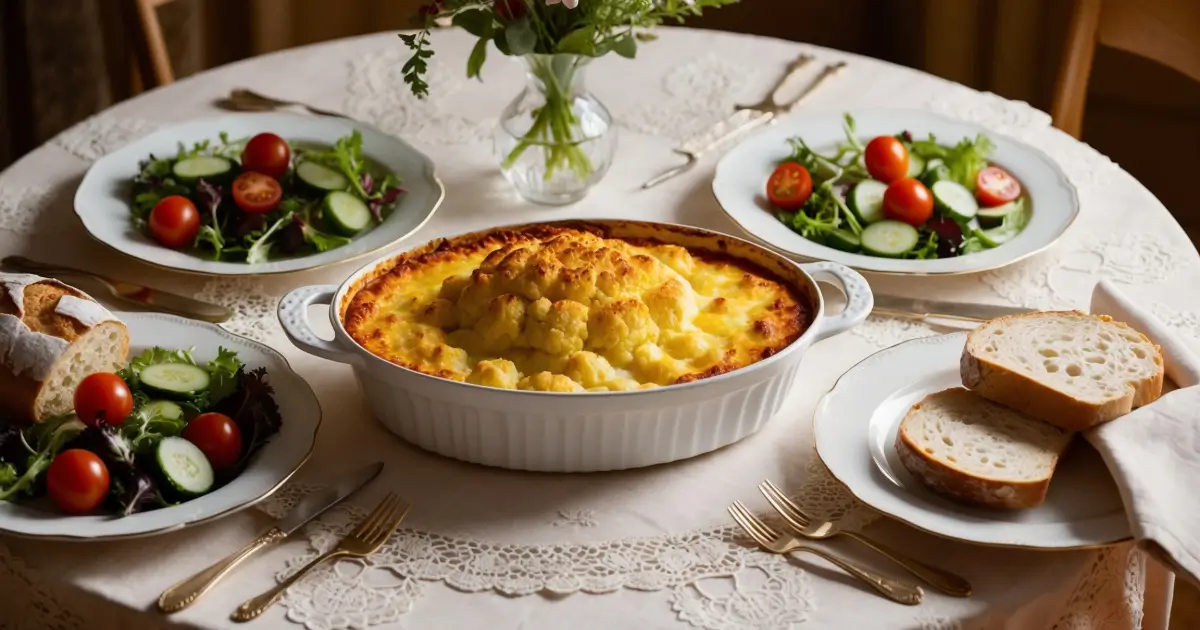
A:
(555, 141)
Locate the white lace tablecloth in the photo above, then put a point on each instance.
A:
(641, 549)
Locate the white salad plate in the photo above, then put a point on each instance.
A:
(282, 456)
(741, 179)
(856, 425)
(102, 201)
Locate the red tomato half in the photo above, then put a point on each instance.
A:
(886, 158)
(77, 481)
(994, 186)
(103, 397)
(908, 200)
(268, 154)
(789, 186)
(218, 437)
(174, 221)
(256, 193)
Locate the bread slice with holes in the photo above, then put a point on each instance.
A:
(1067, 368)
(968, 448)
(51, 336)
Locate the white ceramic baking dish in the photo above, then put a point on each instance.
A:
(561, 432)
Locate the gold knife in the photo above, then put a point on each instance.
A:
(130, 293)
(746, 119)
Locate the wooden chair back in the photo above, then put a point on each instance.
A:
(138, 54)
(1165, 31)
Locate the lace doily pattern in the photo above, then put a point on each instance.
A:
(768, 594)
(253, 306)
(378, 94)
(95, 137)
(937, 622)
(1014, 118)
(21, 209)
(27, 604)
(1109, 593)
(698, 94)
(883, 332)
(1185, 322)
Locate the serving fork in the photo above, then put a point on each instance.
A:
(243, 100)
(365, 540)
(814, 529)
(898, 591)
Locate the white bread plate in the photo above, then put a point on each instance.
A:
(741, 180)
(102, 201)
(856, 425)
(283, 455)
(588, 431)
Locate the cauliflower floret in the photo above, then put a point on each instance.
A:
(558, 328)
(654, 365)
(618, 327)
(675, 257)
(500, 326)
(688, 345)
(495, 373)
(442, 356)
(441, 313)
(589, 369)
(577, 284)
(453, 286)
(547, 382)
(671, 304)
(475, 298)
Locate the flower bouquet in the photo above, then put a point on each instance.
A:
(555, 140)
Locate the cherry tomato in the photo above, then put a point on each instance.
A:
(908, 200)
(886, 158)
(256, 193)
(174, 221)
(218, 437)
(103, 397)
(994, 186)
(789, 186)
(268, 154)
(77, 481)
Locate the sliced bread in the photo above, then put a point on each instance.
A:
(1067, 368)
(51, 336)
(970, 449)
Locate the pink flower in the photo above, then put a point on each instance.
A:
(570, 4)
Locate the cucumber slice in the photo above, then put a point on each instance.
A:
(163, 409)
(996, 237)
(935, 171)
(184, 466)
(992, 217)
(843, 240)
(347, 213)
(916, 165)
(174, 380)
(206, 166)
(889, 239)
(954, 200)
(321, 177)
(866, 200)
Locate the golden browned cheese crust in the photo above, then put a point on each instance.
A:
(565, 310)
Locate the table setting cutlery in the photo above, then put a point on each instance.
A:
(244, 100)
(898, 591)
(747, 118)
(921, 309)
(365, 540)
(187, 591)
(129, 292)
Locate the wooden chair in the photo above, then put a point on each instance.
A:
(139, 40)
(1165, 31)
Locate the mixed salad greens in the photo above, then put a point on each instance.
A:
(163, 430)
(899, 197)
(255, 199)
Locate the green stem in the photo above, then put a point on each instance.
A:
(555, 127)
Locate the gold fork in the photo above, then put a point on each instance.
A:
(895, 590)
(800, 523)
(362, 542)
(243, 100)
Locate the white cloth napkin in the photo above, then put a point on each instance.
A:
(1154, 452)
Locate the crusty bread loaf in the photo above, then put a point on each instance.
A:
(1067, 368)
(51, 337)
(971, 449)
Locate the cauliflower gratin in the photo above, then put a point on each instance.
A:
(560, 309)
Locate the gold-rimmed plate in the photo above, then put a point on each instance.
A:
(741, 178)
(270, 468)
(855, 427)
(102, 201)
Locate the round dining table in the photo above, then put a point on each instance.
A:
(647, 549)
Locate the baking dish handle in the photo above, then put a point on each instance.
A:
(293, 316)
(859, 300)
